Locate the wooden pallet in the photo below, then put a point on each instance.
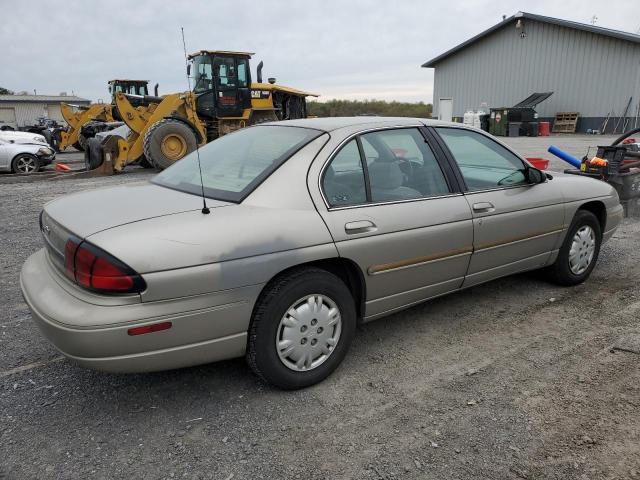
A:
(565, 122)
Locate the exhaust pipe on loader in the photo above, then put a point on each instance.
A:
(259, 72)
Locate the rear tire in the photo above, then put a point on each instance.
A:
(275, 348)
(82, 141)
(25, 164)
(168, 141)
(579, 253)
(144, 163)
(93, 154)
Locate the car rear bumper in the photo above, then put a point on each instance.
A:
(217, 330)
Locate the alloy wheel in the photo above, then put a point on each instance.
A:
(26, 164)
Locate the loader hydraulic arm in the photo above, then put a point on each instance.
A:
(77, 118)
(140, 119)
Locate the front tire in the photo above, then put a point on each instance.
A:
(579, 253)
(168, 141)
(301, 329)
(25, 164)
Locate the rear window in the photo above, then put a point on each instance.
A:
(235, 164)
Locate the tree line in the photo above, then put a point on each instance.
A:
(349, 108)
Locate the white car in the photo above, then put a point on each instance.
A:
(24, 158)
(23, 137)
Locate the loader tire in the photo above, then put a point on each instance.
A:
(93, 154)
(167, 141)
(82, 141)
(144, 163)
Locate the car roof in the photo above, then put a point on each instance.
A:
(329, 124)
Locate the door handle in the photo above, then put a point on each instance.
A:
(484, 207)
(361, 226)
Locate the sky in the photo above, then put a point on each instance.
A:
(360, 49)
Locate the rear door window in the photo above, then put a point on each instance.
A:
(402, 166)
(343, 181)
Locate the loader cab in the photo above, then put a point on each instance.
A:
(221, 82)
(131, 87)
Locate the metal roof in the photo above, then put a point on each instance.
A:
(630, 37)
(42, 98)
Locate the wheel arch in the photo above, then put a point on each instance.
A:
(599, 209)
(347, 270)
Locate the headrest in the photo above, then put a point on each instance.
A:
(385, 175)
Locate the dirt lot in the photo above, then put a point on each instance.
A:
(513, 379)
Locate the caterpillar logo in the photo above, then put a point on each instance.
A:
(263, 94)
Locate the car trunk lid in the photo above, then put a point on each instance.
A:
(86, 213)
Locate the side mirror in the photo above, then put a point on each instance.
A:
(188, 69)
(535, 176)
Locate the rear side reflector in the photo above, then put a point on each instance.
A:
(154, 327)
(95, 269)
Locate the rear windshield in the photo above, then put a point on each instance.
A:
(235, 164)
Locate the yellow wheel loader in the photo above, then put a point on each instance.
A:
(77, 116)
(223, 99)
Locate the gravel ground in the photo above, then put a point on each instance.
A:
(514, 379)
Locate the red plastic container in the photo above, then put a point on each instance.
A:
(539, 163)
(543, 129)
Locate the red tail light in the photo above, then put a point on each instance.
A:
(95, 269)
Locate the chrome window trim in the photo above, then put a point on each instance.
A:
(498, 189)
(335, 151)
(393, 202)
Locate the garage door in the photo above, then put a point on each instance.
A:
(8, 116)
(54, 112)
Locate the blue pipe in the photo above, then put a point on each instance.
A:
(564, 156)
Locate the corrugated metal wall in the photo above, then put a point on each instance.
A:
(26, 113)
(588, 73)
(54, 112)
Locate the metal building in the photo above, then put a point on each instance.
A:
(591, 70)
(21, 110)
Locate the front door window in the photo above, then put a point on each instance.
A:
(484, 163)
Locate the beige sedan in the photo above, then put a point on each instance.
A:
(293, 233)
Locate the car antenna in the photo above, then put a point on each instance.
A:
(205, 209)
